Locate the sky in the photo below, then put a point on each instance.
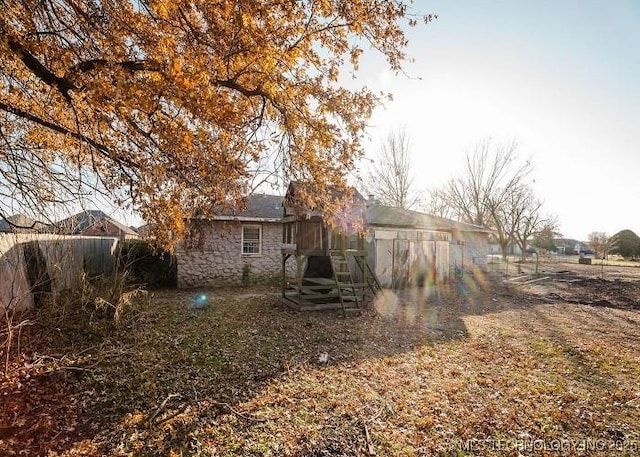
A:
(562, 78)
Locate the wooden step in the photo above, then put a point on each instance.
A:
(349, 298)
(352, 310)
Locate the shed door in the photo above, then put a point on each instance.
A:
(401, 262)
(384, 261)
(442, 260)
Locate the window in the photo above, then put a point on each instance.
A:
(251, 239)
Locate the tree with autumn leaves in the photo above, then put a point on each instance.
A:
(172, 107)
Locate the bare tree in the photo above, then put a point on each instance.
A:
(437, 204)
(527, 219)
(492, 172)
(492, 191)
(506, 218)
(390, 178)
(600, 242)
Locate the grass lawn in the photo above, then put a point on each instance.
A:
(477, 371)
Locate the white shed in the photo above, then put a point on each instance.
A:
(410, 247)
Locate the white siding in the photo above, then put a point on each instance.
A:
(469, 250)
(410, 256)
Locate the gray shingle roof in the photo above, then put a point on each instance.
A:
(294, 186)
(258, 206)
(85, 219)
(123, 228)
(380, 215)
(79, 222)
(570, 244)
(19, 222)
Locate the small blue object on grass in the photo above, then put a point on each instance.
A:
(200, 301)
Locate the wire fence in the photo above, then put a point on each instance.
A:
(514, 265)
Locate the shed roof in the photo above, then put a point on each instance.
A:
(388, 216)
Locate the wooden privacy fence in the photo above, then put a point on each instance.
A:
(31, 264)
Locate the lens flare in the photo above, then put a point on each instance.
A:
(200, 301)
(428, 304)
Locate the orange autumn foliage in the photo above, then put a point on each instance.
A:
(168, 106)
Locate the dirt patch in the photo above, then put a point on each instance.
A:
(582, 284)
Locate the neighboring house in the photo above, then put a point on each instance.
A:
(146, 231)
(409, 246)
(233, 247)
(495, 249)
(19, 223)
(95, 223)
(568, 246)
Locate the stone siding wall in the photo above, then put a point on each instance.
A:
(212, 255)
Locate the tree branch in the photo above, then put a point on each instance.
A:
(130, 65)
(232, 84)
(105, 151)
(62, 85)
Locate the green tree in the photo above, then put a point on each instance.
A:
(625, 243)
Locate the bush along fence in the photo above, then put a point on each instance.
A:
(33, 265)
(58, 271)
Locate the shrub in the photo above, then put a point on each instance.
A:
(626, 243)
(146, 265)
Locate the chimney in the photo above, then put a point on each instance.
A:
(371, 200)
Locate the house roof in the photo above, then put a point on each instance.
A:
(570, 244)
(351, 205)
(258, 207)
(388, 216)
(123, 228)
(85, 219)
(19, 222)
(335, 193)
(81, 221)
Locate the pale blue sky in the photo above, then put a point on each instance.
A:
(560, 77)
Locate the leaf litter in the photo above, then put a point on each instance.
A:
(484, 370)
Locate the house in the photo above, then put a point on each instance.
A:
(410, 247)
(19, 223)
(568, 246)
(512, 248)
(273, 233)
(233, 247)
(95, 223)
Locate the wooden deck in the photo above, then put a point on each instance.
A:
(316, 294)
